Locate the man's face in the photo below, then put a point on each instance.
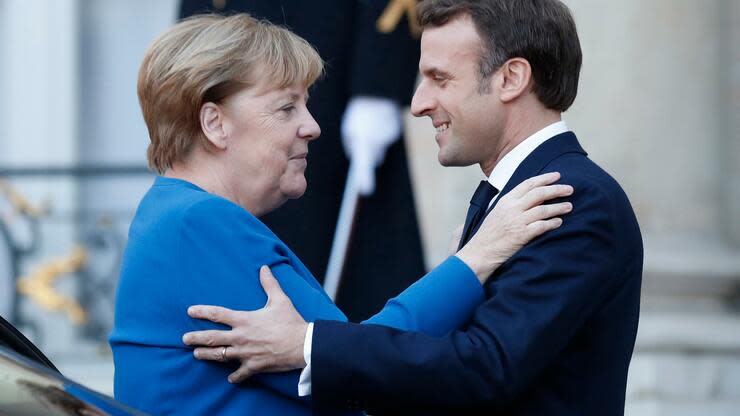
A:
(468, 122)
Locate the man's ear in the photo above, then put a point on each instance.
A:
(515, 79)
(213, 124)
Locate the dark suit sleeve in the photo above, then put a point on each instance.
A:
(383, 64)
(536, 303)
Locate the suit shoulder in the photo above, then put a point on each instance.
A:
(585, 174)
(212, 209)
(216, 206)
(598, 193)
(217, 219)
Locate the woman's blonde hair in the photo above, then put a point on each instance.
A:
(204, 59)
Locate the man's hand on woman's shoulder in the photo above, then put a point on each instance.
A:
(264, 341)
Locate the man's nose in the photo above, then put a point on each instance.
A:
(422, 102)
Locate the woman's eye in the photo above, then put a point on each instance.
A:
(288, 109)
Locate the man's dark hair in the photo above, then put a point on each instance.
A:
(541, 31)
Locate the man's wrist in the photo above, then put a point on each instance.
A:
(304, 380)
(307, 342)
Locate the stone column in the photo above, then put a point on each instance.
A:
(39, 128)
(40, 82)
(731, 77)
(653, 109)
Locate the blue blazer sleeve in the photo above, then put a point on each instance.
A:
(418, 307)
(228, 275)
(238, 245)
(536, 302)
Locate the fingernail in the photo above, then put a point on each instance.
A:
(185, 339)
(231, 380)
(569, 206)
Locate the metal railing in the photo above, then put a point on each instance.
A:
(27, 279)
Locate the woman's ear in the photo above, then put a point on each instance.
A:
(212, 122)
(516, 79)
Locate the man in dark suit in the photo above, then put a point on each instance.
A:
(556, 332)
(371, 53)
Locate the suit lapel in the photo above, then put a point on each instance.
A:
(535, 163)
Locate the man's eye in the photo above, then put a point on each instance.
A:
(288, 108)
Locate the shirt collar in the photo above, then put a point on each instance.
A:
(505, 168)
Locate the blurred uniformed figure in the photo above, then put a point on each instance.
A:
(371, 49)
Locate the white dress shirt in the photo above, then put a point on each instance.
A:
(505, 168)
(502, 172)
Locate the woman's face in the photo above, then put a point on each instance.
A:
(267, 132)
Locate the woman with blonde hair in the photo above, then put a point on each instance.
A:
(224, 99)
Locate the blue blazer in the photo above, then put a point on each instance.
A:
(554, 336)
(188, 247)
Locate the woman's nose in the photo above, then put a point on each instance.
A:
(310, 129)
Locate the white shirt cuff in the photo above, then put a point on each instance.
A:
(304, 381)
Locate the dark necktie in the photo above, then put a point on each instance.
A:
(477, 211)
